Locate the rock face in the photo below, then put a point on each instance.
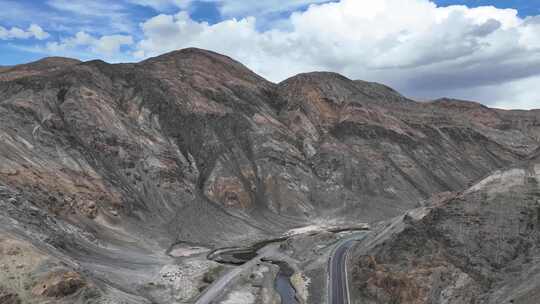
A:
(102, 165)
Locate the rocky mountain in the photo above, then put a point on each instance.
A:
(103, 167)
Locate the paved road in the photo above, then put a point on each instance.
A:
(218, 288)
(339, 287)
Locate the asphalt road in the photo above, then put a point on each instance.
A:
(339, 288)
(218, 288)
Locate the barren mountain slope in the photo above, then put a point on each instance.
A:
(476, 246)
(104, 167)
(395, 152)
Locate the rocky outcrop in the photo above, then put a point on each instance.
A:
(58, 285)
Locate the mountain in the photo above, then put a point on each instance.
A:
(103, 167)
(49, 64)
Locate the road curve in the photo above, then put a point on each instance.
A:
(338, 292)
(219, 287)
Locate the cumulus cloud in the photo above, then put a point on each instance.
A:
(33, 31)
(414, 45)
(108, 46)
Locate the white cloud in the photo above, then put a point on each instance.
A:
(38, 32)
(233, 8)
(413, 45)
(518, 94)
(162, 4)
(33, 31)
(522, 94)
(96, 15)
(89, 8)
(530, 34)
(257, 7)
(111, 44)
(107, 46)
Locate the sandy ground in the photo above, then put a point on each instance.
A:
(18, 261)
(187, 251)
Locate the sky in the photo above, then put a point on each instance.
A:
(482, 50)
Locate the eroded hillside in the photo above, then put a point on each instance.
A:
(476, 246)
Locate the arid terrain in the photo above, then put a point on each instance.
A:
(188, 178)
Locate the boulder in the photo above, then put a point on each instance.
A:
(59, 284)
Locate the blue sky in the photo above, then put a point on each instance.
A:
(451, 53)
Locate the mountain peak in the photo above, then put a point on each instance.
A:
(338, 89)
(202, 62)
(324, 85)
(55, 61)
(318, 76)
(44, 65)
(188, 53)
